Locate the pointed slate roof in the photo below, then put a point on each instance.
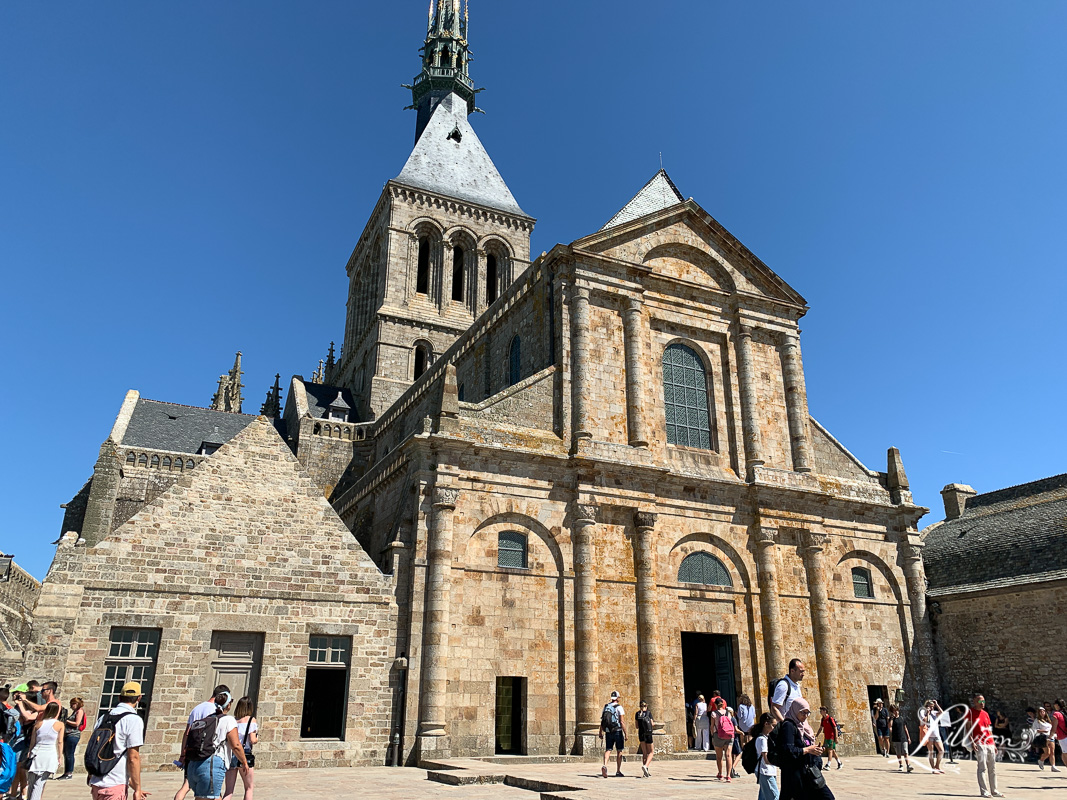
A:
(658, 194)
(449, 159)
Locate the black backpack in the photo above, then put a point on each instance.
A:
(200, 744)
(609, 720)
(100, 755)
(774, 685)
(749, 756)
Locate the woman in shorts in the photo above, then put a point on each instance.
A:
(929, 718)
(643, 720)
(207, 777)
(1043, 741)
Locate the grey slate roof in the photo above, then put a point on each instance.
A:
(320, 396)
(656, 195)
(1007, 537)
(449, 160)
(169, 426)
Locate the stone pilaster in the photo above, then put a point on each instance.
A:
(749, 418)
(636, 380)
(580, 363)
(586, 643)
(770, 609)
(435, 626)
(915, 578)
(648, 666)
(796, 403)
(825, 641)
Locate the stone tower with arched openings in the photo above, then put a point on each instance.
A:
(445, 241)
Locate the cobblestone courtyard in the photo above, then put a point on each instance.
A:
(862, 778)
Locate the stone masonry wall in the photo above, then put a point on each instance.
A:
(245, 543)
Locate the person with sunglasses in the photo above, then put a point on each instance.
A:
(644, 722)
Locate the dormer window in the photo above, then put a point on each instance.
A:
(208, 448)
(338, 409)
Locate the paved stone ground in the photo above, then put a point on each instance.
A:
(862, 778)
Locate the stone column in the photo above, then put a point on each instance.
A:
(770, 610)
(636, 380)
(586, 646)
(796, 402)
(580, 363)
(825, 642)
(648, 666)
(749, 419)
(435, 625)
(915, 578)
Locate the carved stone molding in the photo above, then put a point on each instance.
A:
(586, 512)
(644, 519)
(812, 540)
(913, 551)
(445, 498)
(766, 535)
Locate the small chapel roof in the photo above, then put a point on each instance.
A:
(450, 160)
(181, 429)
(1003, 538)
(656, 195)
(321, 397)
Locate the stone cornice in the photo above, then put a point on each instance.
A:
(415, 196)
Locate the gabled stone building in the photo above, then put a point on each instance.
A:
(592, 471)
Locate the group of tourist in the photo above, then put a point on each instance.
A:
(216, 746)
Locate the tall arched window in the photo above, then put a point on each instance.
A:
(511, 549)
(685, 398)
(491, 279)
(515, 362)
(422, 275)
(861, 583)
(422, 359)
(701, 567)
(457, 273)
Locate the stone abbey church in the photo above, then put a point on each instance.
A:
(520, 485)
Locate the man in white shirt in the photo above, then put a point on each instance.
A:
(201, 710)
(129, 736)
(787, 690)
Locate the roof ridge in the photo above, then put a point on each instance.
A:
(1018, 492)
(198, 408)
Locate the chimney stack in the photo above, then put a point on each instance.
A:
(956, 496)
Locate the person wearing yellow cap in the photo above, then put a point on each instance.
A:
(129, 736)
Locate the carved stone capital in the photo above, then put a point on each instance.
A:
(644, 519)
(811, 540)
(634, 304)
(744, 332)
(445, 498)
(913, 551)
(790, 339)
(765, 535)
(586, 512)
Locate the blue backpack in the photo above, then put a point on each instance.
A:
(8, 764)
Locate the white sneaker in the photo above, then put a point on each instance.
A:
(645, 772)
(986, 794)
(1040, 764)
(1055, 768)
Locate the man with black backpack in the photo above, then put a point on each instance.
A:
(786, 690)
(113, 756)
(199, 712)
(613, 731)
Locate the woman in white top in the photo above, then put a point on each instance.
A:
(929, 717)
(702, 724)
(247, 734)
(1043, 740)
(766, 774)
(46, 745)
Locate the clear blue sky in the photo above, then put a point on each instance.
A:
(180, 181)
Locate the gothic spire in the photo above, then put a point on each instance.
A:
(228, 396)
(272, 406)
(445, 60)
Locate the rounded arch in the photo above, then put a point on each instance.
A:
(676, 257)
(422, 356)
(457, 234)
(702, 568)
(687, 397)
(427, 226)
(492, 241)
(693, 345)
(733, 560)
(525, 523)
(876, 561)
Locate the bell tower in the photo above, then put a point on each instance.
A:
(444, 242)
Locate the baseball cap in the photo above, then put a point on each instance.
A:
(614, 695)
(22, 687)
(131, 689)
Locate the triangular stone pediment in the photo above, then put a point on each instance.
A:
(684, 242)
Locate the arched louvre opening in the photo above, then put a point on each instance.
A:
(703, 568)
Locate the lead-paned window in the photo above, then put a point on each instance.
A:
(701, 567)
(131, 656)
(861, 583)
(685, 398)
(511, 549)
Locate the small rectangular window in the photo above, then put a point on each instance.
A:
(326, 688)
(131, 656)
(861, 583)
(511, 550)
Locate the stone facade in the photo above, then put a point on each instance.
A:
(18, 597)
